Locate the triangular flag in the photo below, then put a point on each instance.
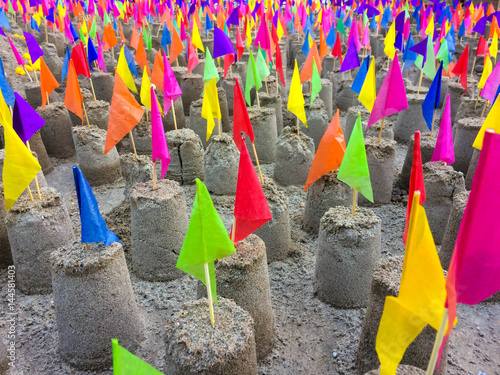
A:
(34, 49)
(433, 97)
(196, 39)
(444, 144)
(73, 98)
(491, 122)
(210, 70)
(357, 84)
(315, 83)
(47, 82)
(222, 44)
(210, 107)
(368, 91)
(296, 98)
(141, 57)
(125, 363)
(461, 67)
(252, 80)
(176, 47)
(123, 70)
(157, 74)
(171, 89)
(80, 60)
(351, 59)
(158, 138)
(26, 121)
(241, 121)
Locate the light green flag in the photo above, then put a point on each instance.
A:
(443, 54)
(92, 30)
(206, 239)
(125, 363)
(210, 68)
(315, 83)
(253, 79)
(261, 66)
(429, 68)
(354, 168)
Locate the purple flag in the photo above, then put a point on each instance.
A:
(351, 59)
(421, 49)
(222, 44)
(400, 22)
(33, 47)
(444, 144)
(233, 18)
(392, 95)
(25, 120)
(171, 88)
(480, 25)
(158, 139)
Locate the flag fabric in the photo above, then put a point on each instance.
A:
(330, 152)
(354, 167)
(433, 97)
(491, 122)
(357, 84)
(210, 107)
(171, 89)
(416, 180)
(279, 65)
(193, 60)
(427, 63)
(315, 83)
(157, 74)
(73, 98)
(123, 70)
(421, 297)
(25, 120)
(141, 57)
(158, 138)
(261, 66)
(368, 91)
(94, 227)
(251, 210)
(206, 239)
(19, 167)
(124, 113)
(125, 363)
(252, 80)
(222, 44)
(34, 49)
(351, 59)
(109, 37)
(307, 69)
(80, 60)
(392, 95)
(389, 41)
(487, 69)
(461, 67)
(210, 70)
(17, 55)
(47, 82)
(5, 115)
(296, 98)
(176, 47)
(444, 144)
(195, 35)
(337, 48)
(241, 121)
(7, 92)
(491, 85)
(145, 91)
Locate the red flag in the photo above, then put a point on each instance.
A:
(482, 47)
(460, 68)
(251, 210)
(416, 180)
(193, 60)
(330, 152)
(279, 65)
(228, 61)
(80, 60)
(239, 43)
(337, 48)
(241, 121)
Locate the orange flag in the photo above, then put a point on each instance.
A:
(157, 75)
(176, 47)
(73, 99)
(141, 58)
(122, 37)
(330, 152)
(124, 114)
(307, 69)
(109, 37)
(134, 39)
(323, 48)
(47, 82)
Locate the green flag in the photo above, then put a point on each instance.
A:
(106, 19)
(92, 31)
(210, 68)
(443, 54)
(429, 68)
(261, 65)
(315, 83)
(206, 239)
(354, 168)
(340, 26)
(125, 363)
(253, 79)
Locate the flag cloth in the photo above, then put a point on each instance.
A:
(351, 59)
(491, 85)
(92, 53)
(26, 121)
(444, 144)
(157, 75)
(252, 80)
(416, 180)
(47, 82)
(431, 101)
(94, 227)
(427, 65)
(251, 210)
(261, 66)
(421, 295)
(158, 138)
(241, 121)
(206, 239)
(392, 95)
(195, 35)
(354, 167)
(461, 67)
(330, 152)
(222, 44)
(141, 57)
(389, 41)
(7, 92)
(145, 90)
(368, 91)
(5, 115)
(125, 363)
(279, 65)
(210, 107)
(34, 49)
(357, 84)
(17, 55)
(176, 47)
(73, 98)
(491, 122)
(130, 61)
(19, 167)
(210, 70)
(124, 113)
(475, 264)
(193, 60)
(307, 69)
(109, 37)
(487, 69)
(171, 89)
(80, 60)
(296, 98)
(123, 70)
(315, 83)
(337, 49)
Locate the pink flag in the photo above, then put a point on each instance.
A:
(392, 95)
(171, 89)
(263, 37)
(365, 41)
(491, 85)
(19, 58)
(353, 34)
(444, 144)
(160, 148)
(100, 58)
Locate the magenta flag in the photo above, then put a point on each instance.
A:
(171, 88)
(444, 144)
(100, 58)
(392, 95)
(19, 58)
(158, 139)
(491, 85)
(263, 37)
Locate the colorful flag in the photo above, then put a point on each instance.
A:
(47, 82)
(125, 363)
(25, 120)
(222, 44)
(357, 84)
(351, 59)
(210, 70)
(157, 74)
(141, 57)
(158, 138)
(296, 98)
(176, 47)
(461, 67)
(73, 98)
(444, 144)
(433, 97)
(34, 49)
(210, 107)
(123, 70)
(171, 89)
(252, 80)
(315, 83)
(491, 122)
(368, 91)
(241, 121)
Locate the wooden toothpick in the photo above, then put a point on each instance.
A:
(209, 294)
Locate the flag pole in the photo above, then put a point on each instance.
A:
(154, 174)
(34, 71)
(473, 65)
(477, 99)
(233, 229)
(85, 110)
(482, 113)
(48, 101)
(209, 294)
(133, 145)
(30, 194)
(219, 127)
(31, 79)
(437, 343)
(93, 92)
(36, 179)
(380, 132)
(258, 164)
(354, 196)
(420, 81)
(173, 112)
(432, 123)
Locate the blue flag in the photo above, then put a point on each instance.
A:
(409, 57)
(64, 71)
(7, 92)
(130, 61)
(165, 38)
(208, 24)
(94, 227)
(360, 77)
(34, 26)
(332, 36)
(431, 101)
(91, 53)
(305, 47)
(4, 22)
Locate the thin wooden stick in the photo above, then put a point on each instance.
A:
(257, 94)
(233, 229)
(209, 294)
(173, 112)
(30, 194)
(482, 113)
(85, 110)
(154, 174)
(432, 123)
(93, 92)
(354, 196)
(133, 145)
(277, 83)
(477, 99)
(48, 101)
(473, 65)
(267, 90)
(26, 70)
(34, 72)
(381, 129)
(258, 164)
(36, 179)
(420, 82)
(159, 28)
(437, 343)
(220, 129)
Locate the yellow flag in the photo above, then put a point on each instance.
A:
(196, 37)
(19, 168)
(490, 122)
(389, 41)
(249, 34)
(421, 295)
(210, 107)
(123, 70)
(5, 116)
(494, 46)
(146, 90)
(487, 69)
(430, 27)
(368, 90)
(280, 30)
(296, 98)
